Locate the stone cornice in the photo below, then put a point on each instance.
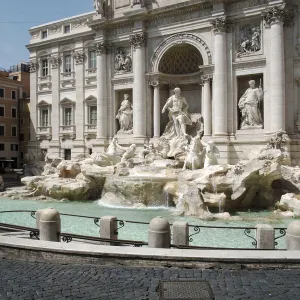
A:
(249, 64)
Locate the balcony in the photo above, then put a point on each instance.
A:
(90, 131)
(67, 79)
(44, 133)
(91, 76)
(44, 83)
(67, 131)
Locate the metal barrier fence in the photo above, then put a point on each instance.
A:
(249, 232)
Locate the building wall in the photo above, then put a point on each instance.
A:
(168, 21)
(8, 121)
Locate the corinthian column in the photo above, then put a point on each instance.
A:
(102, 49)
(138, 41)
(220, 27)
(274, 19)
(156, 109)
(207, 110)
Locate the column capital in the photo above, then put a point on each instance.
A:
(55, 61)
(103, 48)
(206, 78)
(79, 57)
(33, 66)
(154, 83)
(278, 14)
(138, 40)
(221, 24)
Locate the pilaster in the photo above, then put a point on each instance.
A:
(79, 144)
(55, 62)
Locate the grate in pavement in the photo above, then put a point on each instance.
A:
(185, 290)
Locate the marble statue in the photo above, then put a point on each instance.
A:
(194, 158)
(249, 105)
(126, 160)
(123, 61)
(99, 6)
(178, 115)
(114, 148)
(211, 153)
(125, 116)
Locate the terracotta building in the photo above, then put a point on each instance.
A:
(21, 73)
(10, 91)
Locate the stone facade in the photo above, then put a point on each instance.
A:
(82, 67)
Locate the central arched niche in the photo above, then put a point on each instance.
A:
(180, 59)
(178, 63)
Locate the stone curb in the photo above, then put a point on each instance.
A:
(33, 250)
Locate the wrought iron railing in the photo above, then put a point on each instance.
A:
(67, 237)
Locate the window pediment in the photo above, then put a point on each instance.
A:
(90, 100)
(67, 102)
(43, 103)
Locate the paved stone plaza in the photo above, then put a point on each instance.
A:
(27, 280)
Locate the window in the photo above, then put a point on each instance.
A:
(13, 95)
(2, 130)
(44, 67)
(44, 117)
(2, 147)
(21, 121)
(22, 155)
(44, 34)
(21, 137)
(2, 112)
(14, 147)
(13, 130)
(67, 29)
(67, 154)
(92, 60)
(13, 112)
(29, 136)
(68, 64)
(1, 93)
(68, 116)
(93, 115)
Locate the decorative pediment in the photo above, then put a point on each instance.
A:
(43, 103)
(91, 99)
(66, 101)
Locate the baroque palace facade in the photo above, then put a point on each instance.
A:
(110, 72)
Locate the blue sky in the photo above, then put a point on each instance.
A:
(17, 16)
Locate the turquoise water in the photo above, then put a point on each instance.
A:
(210, 237)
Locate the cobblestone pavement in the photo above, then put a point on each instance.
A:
(28, 280)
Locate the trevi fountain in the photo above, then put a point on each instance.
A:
(188, 111)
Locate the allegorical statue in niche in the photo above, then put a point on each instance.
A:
(178, 115)
(249, 105)
(99, 6)
(125, 116)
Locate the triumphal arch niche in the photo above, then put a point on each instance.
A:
(236, 63)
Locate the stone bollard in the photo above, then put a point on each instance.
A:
(293, 236)
(38, 217)
(159, 235)
(50, 225)
(180, 233)
(108, 229)
(265, 236)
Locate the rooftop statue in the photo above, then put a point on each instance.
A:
(99, 6)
